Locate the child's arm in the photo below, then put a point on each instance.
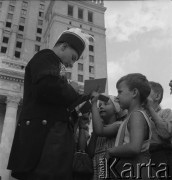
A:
(98, 127)
(138, 129)
(163, 127)
(92, 145)
(82, 141)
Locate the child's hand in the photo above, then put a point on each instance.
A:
(107, 156)
(94, 96)
(83, 122)
(149, 103)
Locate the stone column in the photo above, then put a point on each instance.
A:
(7, 135)
(12, 41)
(1, 29)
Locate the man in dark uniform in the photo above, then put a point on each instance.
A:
(43, 145)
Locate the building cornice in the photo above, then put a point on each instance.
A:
(11, 75)
(11, 78)
(72, 19)
(86, 3)
(90, 4)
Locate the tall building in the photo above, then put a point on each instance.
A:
(29, 26)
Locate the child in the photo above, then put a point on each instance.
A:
(105, 127)
(82, 165)
(133, 139)
(160, 147)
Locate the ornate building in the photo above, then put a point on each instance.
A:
(25, 28)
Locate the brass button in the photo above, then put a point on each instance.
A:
(18, 124)
(27, 123)
(44, 122)
(70, 118)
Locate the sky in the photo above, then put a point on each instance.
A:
(139, 40)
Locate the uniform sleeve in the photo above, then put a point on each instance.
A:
(48, 85)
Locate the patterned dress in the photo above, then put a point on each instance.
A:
(99, 162)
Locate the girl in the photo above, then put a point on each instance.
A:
(105, 126)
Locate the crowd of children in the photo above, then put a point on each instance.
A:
(132, 134)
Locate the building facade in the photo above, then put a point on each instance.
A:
(29, 26)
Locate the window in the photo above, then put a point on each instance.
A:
(91, 78)
(23, 12)
(37, 48)
(80, 67)
(3, 49)
(91, 38)
(42, 6)
(90, 16)
(21, 28)
(80, 13)
(11, 8)
(10, 16)
(68, 75)
(17, 54)
(38, 38)
(41, 14)
(0, 4)
(18, 44)
(25, 4)
(39, 30)
(40, 22)
(91, 69)
(5, 39)
(80, 25)
(91, 58)
(22, 20)
(8, 24)
(80, 78)
(70, 10)
(91, 48)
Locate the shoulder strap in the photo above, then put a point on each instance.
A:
(121, 132)
(148, 122)
(122, 128)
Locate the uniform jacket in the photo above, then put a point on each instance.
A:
(47, 96)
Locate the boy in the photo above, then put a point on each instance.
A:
(160, 146)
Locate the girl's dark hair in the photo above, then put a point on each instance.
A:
(138, 81)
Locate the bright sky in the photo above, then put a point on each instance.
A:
(139, 39)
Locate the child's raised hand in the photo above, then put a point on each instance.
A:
(94, 96)
(149, 103)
